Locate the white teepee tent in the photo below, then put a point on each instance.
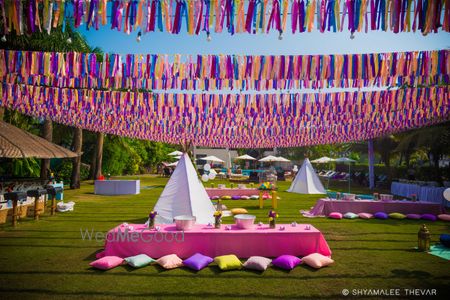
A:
(184, 195)
(306, 181)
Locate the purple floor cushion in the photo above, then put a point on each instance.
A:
(413, 216)
(287, 262)
(381, 215)
(197, 261)
(335, 215)
(236, 197)
(445, 240)
(428, 217)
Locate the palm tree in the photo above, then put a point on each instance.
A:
(58, 41)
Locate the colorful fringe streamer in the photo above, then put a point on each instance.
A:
(237, 16)
(235, 121)
(210, 72)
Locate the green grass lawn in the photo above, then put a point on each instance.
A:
(48, 259)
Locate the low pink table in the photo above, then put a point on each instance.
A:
(324, 207)
(261, 240)
(212, 192)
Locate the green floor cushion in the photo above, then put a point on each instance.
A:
(139, 261)
(350, 215)
(228, 262)
(398, 216)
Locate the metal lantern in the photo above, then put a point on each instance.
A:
(424, 238)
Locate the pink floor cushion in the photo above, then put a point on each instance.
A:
(170, 261)
(428, 217)
(444, 217)
(245, 197)
(335, 215)
(365, 216)
(317, 260)
(413, 216)
(107, 262)
(198, 261)
(350, 215)
(381, 215)
(287, 262)
(258, 263)
(235, 197)
(215, 198)
(266, 197)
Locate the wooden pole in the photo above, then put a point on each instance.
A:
(14, 213)
(36, 208)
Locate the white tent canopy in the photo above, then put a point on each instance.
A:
(175, 153)
(212, 158)
(174, 164)
(322, 160)
(246, 157)
(184, 195)
(269, 158)
(306, 181)
(282, 159)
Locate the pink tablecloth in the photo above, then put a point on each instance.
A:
(324, 207)
(231, 192)
(261, 240)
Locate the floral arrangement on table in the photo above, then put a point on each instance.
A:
(272, 218)
(267, 186)
(217, 219)
(151, 218)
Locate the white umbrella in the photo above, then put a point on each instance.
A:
(175, 153)
(246, 157)
(282, 159)
(349, 161)
(322, 160)
(269, 158)
(212, 158)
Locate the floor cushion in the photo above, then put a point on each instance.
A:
(235, 197)
(215, 198)
(398, 216)
(365, 215)
(226, 197)
(287, 262)
(428, 217)
(237, 211)
(257, 263)
(317, 260)
(254, 197)
(413, 216)
(350, 215)
(107, 262)
(228, 262)
(139, 261)
(381, 215)
(245, 197)
(335, 215)
(444, 217)
(445, 240)
(198, 261)
(170, 261)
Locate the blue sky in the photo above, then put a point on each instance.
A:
(305, 43)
